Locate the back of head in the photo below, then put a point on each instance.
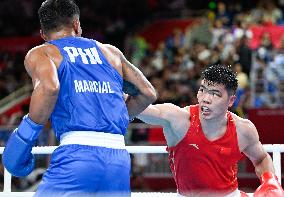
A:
(220, 74)
(56, 14)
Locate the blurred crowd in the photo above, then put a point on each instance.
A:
(222, 35)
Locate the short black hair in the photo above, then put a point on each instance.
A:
(221, 74)
(55, 14)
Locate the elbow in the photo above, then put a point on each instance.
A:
(51, 89)
(151, 95)
(154, 96)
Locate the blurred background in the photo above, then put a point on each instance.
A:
(170, 41)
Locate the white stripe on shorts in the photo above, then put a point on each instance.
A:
(93, 138)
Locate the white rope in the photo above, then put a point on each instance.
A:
(131, 149)
(275, 149)
(133, 194)
(146, 149)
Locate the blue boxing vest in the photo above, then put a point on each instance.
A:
(90, 96)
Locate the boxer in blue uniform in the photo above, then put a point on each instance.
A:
(79, 84)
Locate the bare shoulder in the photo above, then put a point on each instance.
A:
(112, 54)
(108, 48)
(32, 53)
(175, 114)
(245, 127)
(186, 108)
(178, 119)
(33, 56)
(44, 50)
(246, 130)
(42, 56)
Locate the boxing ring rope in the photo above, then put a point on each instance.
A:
(275, 149)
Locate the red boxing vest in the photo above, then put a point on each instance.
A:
(200, 166)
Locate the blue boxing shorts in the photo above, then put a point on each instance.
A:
(89, 167)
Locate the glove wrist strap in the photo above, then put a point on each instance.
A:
(267, 175)
(28, 130)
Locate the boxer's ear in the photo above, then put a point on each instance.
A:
(232, 99)
(42, 34)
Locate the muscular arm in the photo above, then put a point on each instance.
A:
(260, 158)
(146, 92)
(17, 156)
(156, 115)
(173, 119)
(269, 185)
(255, 151)
(43, 72)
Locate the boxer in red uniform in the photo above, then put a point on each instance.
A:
(206, 141)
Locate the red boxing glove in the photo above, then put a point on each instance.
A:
(269, 187)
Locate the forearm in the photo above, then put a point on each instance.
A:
(42, 103)
(152, 115)
(269, 184)
(265, 165)
(137, 104)
(147, 119)
(140, 90)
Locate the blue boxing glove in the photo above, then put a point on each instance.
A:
(17, 157)
(130, 89)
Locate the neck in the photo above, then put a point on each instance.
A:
(60, 34)
(214, 125)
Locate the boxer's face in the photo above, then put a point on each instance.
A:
(213, 99)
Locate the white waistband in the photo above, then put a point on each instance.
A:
(235, 193)
(93, 138)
